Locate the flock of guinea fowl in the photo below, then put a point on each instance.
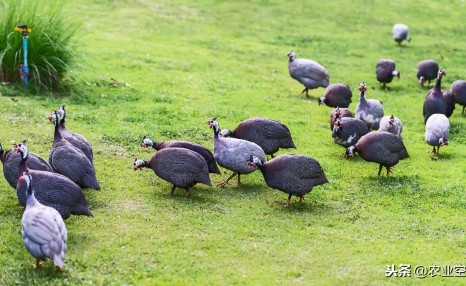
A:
(52, 191)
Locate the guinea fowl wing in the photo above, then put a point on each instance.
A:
(68, 161)
(59, 189)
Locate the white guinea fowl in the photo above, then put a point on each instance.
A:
(43, 230)
(391, 124)
(400, 33)
(437, 132)
(369, 110)
(231, 153)
(309, 73)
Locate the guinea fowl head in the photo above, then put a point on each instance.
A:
(291, 56)
(338, 122)
(225, 133)
(139, 164)
(396, 73)
(362, 87)
(254, 161)
(349, 152)
(392, 119)
(214, 125)
(321, 100)
(54, 117)
(26, 178)
(146, 142)
(22, 149)
(422, 80)
(443, 141)
(441, 73)
(1, 149)
(61, 113)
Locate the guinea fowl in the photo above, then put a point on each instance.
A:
(11, 160)
(232, 153)
(179, 166)
(347, 131)
(391, 124)
(369, 110)
(382, 147)
(336, 95)
(458, 89)
(437, 132)
(308, 72)
(386, 71)
(293, 174)
(51, 189)
(269, 134)
(427, 70)
(201, 150)
(75, 139)
(71, 161)
(400, 33)
(434, 101)
(339, 113)
(449, 102)
(43, 230)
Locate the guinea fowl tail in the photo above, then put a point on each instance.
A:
(91, 183)
(321, 180)
(83, 209)
(205, 179)
(213, 168)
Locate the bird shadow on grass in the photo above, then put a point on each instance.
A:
(394, 184)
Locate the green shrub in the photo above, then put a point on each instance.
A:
(51, 45)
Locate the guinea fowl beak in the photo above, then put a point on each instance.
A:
(251, 165)
(143, 145)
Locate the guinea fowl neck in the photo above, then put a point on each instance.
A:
(362, 96)
(22, 163)
(56, 134)
(438, 83)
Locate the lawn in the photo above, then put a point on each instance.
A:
(180, 63)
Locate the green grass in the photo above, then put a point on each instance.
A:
(186, 62)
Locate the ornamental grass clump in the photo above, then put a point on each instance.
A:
(51, 45)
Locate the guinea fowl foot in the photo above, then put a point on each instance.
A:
(223, 183)
(287, 203)
(172, 193)
(188, 193)
(389, 171)
(301, 199)
(434, 158)
(37, 265)
(58, 269)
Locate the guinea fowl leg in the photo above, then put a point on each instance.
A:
(380, 169)
(188, 192)
(37, 266)
(385, 86)
(58, 269)
(305, 90)
(463, 109)
(172, 193)
(301, 199)
(389, 171)
(223, 183)
(288, 201)
(239, 180)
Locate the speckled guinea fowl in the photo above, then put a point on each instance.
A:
(435, 101)
(269, 134)
(339, 113)
(427, 70)
(70, 161)
(11, 160)
(180, 166)
(293, 174)
(336, 95)
(43, 230)
(458, 89)
(437, 132)
(369, 110)
(385, 71)
(400, 33)
(232, 153)
(52, 189)
(308, 72)
(347, 131)
(201, 150)
(77, 140)
(391, 124)
(449, 102)
(382, 147)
